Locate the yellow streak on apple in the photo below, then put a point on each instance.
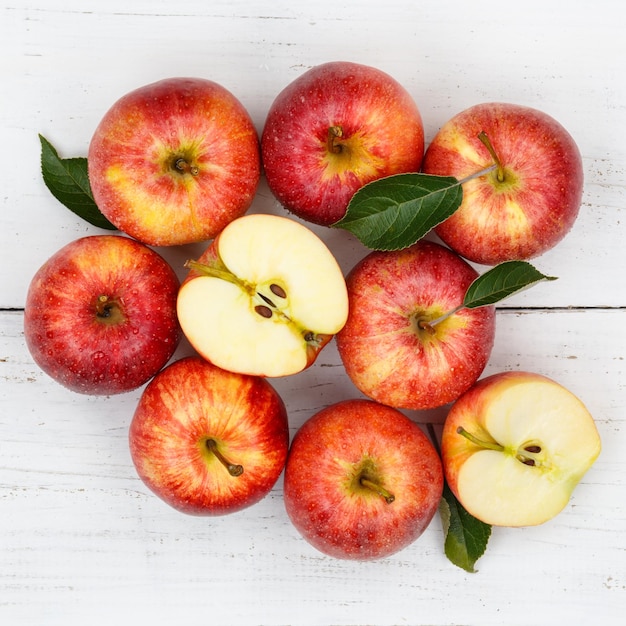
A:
(147, 210)
(417, 341)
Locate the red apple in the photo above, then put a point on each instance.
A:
(100, 315)
(173, 162)
(405, 342)
(333, 129)
(362, 481)
(264, 298)
(207, 441)
(515, 446)
(529, 202)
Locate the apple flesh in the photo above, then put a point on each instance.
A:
(264, 298)
(392, 346)
(333, 129)
(528, 203)
(100, 315)
(207, 441)
(515, 446)
(174, 161)
(362, 481)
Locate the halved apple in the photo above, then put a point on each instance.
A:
(265, 297)
(514, 447)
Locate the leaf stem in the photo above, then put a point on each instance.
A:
(431, 325)
(480, 173)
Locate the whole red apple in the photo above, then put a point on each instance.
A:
(515, 446)
(406, 343)
(529, 202)
(208, 441)
(333, 129)
(100, 315)
(174, 161)
(362, 481)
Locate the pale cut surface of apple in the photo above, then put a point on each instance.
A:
(277, 298)
(549, 440)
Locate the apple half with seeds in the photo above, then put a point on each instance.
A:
(515, 446)
(264, 298)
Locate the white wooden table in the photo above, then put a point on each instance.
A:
(81, 539)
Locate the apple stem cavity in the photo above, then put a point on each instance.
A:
(108, 310)
(332, 143)
(376, 488)
(182, 166)
(234, 469)
(484, 138)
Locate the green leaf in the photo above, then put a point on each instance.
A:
(466, 537)
(68, 181)
(394, 212)
(502, 281)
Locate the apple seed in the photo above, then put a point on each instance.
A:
(277, 290)
(263, 311)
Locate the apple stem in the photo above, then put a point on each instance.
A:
(482, 135)
(233, 468)
(490, 445)
(214, 272)
(334, 133)
(381, 491)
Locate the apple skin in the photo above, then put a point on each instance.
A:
(327, 504)
(517, 409)
(537, 203)
(100, 315)
(191, 401)
(313, 175)
(133, 153)
(386, 353)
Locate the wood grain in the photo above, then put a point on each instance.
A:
(81, 539)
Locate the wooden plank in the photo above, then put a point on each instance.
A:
(80, 533)
(83, 541)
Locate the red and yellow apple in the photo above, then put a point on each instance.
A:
(406, 343)
(362, 481)
(264, 298)
(515, 446)
(207, 441)
(100, 315)
(174, 161)
(529, 202)
(333, 129)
